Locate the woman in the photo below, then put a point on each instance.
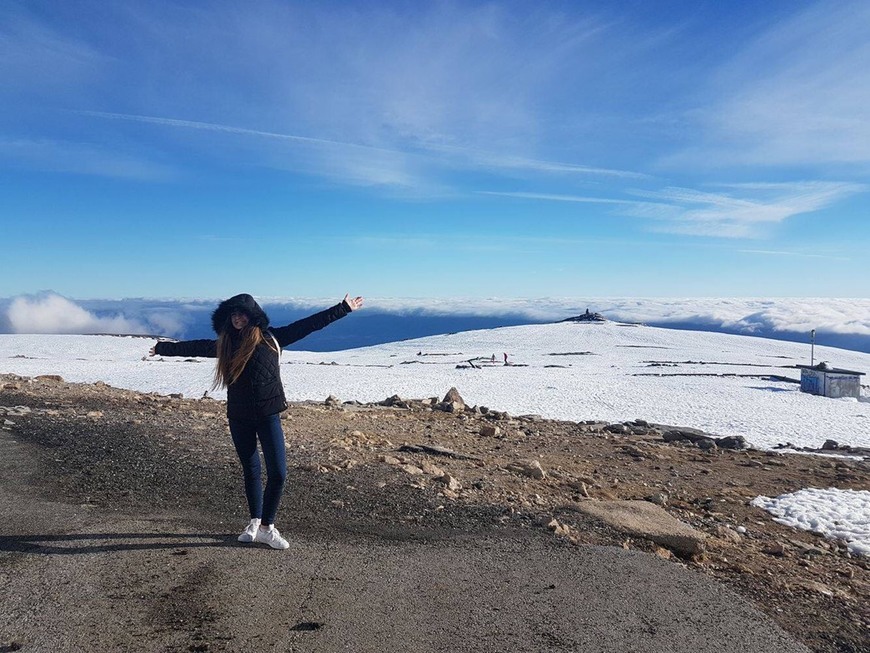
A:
(247, 352)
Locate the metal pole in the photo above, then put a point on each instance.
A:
(812, 347)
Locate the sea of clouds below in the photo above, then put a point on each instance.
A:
(843, 323)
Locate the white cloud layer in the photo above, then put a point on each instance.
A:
(55, 314)
(51, 313)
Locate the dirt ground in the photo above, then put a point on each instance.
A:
(412, 470)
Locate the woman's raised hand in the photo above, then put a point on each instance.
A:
(354, 303)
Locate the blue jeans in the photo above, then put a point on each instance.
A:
(262, 505)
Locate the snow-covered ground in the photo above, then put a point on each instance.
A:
(570, 371)
(836, 514)
(606, 371)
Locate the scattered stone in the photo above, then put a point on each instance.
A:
(728, 534)
(646, 520)
(489, 430)
(659, 498)
(431, 469)
(734, 442)
(530, 468)
(453, 397)
(776, 549)
(830, 445)
(95, 414)
(390, 460)
(395, 402)
(413, 470)
(812, 586)
(452, 484)
(619, 429)
(706, 444)
(332, 400)
(558, 528)
(50, 378)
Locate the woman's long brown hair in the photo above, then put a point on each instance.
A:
(231, 365)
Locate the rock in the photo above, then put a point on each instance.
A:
(489, 430)
(95, 414)
(50, 378)
(830, 445)
(413, 470)
(431, 469)
(8, 422)
(735, 442)
(728, 534)
(706, 444)
(558, 528)
(673, 436)
(659, 498)
(646, 520)
(453, 397)
(531, 468)
(332, 400)
(452, 406)
(452, 484)
(617, 428)
(812, 586)
(775, 549)
(390, 460)
(395, 402)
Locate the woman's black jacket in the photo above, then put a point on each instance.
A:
(258, 392)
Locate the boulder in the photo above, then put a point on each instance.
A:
(453, 397)
(646, 520)
(530, 468)
(489, 430)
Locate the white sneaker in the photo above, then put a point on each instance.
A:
(250, 532)
(271, 537)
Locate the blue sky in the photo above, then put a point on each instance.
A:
(458, 149)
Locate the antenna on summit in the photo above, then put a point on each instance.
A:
(812, 347)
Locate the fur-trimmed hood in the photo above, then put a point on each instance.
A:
(244, 303)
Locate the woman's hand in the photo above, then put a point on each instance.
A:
(353, 304)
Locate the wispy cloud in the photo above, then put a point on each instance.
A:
(83, 159)
(742, 212)
(747, 209)
(797, 95)
(552, 197)
(767, 252)
(359, 157)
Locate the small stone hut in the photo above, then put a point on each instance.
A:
(827, 381)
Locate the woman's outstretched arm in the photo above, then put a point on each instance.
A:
(297, 330)
(186, 348)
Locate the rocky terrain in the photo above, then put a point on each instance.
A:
(412, 468)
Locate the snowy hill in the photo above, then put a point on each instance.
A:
(612, 372)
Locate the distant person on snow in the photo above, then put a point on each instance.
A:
(247, 352)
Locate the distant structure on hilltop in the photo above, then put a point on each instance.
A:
(587, 317)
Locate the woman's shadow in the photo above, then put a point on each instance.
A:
(78, 543)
